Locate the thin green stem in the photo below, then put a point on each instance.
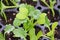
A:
(51, 7)
(5, 16)
(7, 2)
(45, 3)
(13, 2)
(53, 11)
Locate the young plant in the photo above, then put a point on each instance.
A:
(26, 16)
(51, 6)
(3, 7)
(1, 10)
(51, 33)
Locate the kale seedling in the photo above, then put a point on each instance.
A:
(26, 16)
(51, 6)
(3, 7)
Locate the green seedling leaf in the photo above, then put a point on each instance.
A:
(47, 22)
(41, 20)
(16, 22)
(54, 2)
(50, 33)
(22, 14)
(22, 5)
(20, 32)
(23, 10)
(35, 14)
(52, 37)
(54, 25)
(29, 7)
(9, 28)
(32, 34)
(1, 36)
(39, 34)
(28, 25)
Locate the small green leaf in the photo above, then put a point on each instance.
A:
(20, 32)
(35, 14)
(9, 28)
(22, 5)
(29, 7)
(39, 34)
(52, 37)
(41, 19)
(54, 25)
(23, 10)
(32, 34)
(21, 16)
(16, 22)
(47, 22)
(50, 33)
(28, 25)
(1, 36)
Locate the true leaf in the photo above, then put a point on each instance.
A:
(41, 19)
(47, 22)
(35, 14)
(8, 28)
(28, 25)
(22, 5)
(23, 10)
(20, 32)
(32, 34)
(16, 22)
(50, 33)
(52, 37)
(39, 34)
(54, 25)
(29, 7)
(21, 16)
